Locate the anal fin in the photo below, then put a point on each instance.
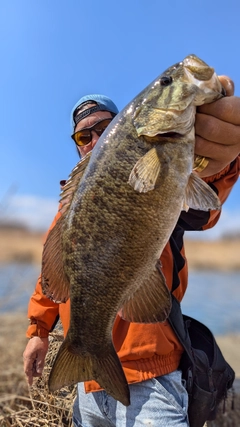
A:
(151, 302)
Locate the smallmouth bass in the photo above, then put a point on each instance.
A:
(120, 206)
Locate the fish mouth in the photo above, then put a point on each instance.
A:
(170, 135)
(160, 137)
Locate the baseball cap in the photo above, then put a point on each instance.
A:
(103, 104)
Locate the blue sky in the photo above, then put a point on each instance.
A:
(53, 52)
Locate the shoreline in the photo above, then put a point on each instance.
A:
(24, 246)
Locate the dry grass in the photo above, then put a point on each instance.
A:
(20, 245)
(21, 406)
(221, 255)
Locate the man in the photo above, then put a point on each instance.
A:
(149, 353)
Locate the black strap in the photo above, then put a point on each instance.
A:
(78, 117)
(180, 328)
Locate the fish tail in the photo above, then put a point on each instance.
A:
(72, 366)
(111, 377)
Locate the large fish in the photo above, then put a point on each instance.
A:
(120, 206)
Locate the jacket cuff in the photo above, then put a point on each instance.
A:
(219, 175)
(36, 331)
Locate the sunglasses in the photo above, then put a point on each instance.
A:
(84, 136)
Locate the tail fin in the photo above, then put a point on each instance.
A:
(71, 366)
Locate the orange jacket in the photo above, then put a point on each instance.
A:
(145, 350)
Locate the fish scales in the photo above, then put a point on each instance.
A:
(125, 200)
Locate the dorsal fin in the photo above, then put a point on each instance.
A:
(72, 183)
(55, 283)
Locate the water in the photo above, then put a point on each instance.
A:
(212, 297)
(17, 282)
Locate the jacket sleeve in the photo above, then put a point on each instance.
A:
(43, 313)
(222, 184)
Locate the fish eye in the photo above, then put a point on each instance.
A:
(165, 81)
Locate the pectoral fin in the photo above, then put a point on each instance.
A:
(144, 174)
(151, 302)
(200, 196)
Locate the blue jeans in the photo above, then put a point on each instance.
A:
(158, 402)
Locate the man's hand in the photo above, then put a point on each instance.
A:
(217, 129)
(34, 357)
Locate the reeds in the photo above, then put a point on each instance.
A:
(22, 406)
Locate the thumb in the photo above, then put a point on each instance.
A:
(228, 85)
